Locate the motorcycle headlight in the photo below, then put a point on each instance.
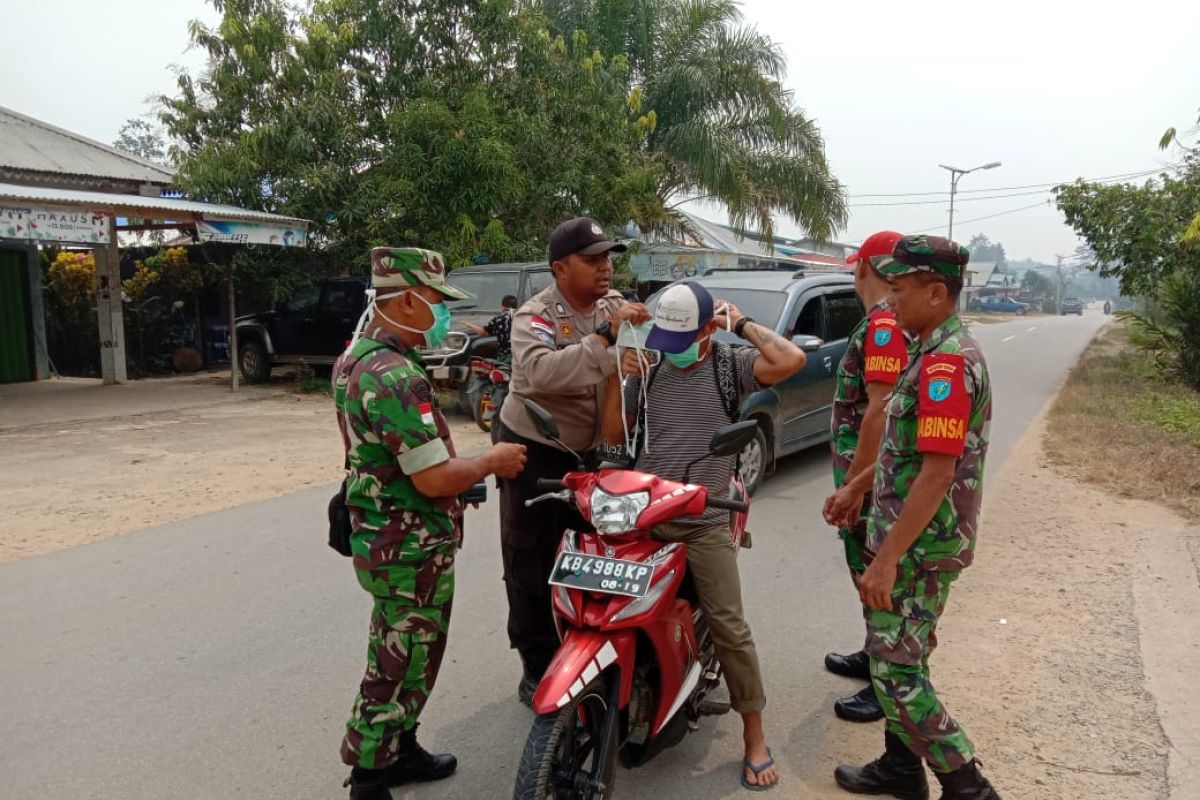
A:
(617, 513)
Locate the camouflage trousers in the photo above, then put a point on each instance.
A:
(404, 653)
(899, 643)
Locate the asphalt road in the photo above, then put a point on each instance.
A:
(218, 657)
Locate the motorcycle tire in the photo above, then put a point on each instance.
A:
(561, 744)
(479, 404)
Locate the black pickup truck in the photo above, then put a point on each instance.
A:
(314, 326)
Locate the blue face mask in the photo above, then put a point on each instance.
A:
(685, 359)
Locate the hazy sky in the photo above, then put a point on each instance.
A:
(1054, 90)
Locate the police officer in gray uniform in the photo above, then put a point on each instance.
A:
(562, 354)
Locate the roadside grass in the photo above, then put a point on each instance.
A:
(1117, 423)
(308, 381)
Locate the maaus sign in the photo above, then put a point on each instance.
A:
(50, 225)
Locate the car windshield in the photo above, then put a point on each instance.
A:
(764, 305)
(487, 289)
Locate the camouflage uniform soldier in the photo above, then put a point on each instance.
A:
(402, 495)
(922, 526)
(876, 354)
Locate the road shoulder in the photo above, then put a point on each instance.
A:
(1063, 646)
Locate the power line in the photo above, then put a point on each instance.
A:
(996, 196)
(989, 216)
(1105, 178)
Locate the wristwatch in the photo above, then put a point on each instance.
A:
(741, 326)
(606, 331)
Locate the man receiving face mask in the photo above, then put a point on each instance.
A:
(687, 398)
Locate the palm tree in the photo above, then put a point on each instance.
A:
(724, 127)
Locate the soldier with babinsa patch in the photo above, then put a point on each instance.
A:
(402, 494)
(922, 526)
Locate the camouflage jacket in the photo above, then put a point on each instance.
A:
(941, 404)
(391, 429)
(877, 351)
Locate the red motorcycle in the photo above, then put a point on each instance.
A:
(636, 660)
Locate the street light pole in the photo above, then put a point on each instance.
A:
(955, 175)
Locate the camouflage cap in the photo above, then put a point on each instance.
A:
(404, 267)
(924, 254)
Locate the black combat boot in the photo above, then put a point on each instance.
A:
(531, 676)
(414, 765)
(863, 706)
(966, 783)
(368, 784)
(855, 665)
(898, 772)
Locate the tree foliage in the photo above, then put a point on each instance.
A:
(724, 127)
(1142, 236)
(984, 249)
(142, 139)
(462, 125)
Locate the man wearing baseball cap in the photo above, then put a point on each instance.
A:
(922, 526)
(562, 354)
(876, 354)
(686, 401)
(402, 492)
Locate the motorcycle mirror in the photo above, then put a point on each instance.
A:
(542, 419)
(730, 439)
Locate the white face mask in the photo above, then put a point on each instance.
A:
(634, 337)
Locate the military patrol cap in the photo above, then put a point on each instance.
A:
(935, 254)
(405, 267)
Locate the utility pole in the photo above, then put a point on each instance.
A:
(955, 175)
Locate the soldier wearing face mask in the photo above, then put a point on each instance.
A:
(402, 494)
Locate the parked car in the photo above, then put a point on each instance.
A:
(818, 312)
(1004, 305)
(1071, 305)
(450, 365)
(314, 326)
(311, 328)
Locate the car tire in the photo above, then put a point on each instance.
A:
(753, 460)
(254, 362)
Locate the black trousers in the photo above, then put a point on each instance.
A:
(529, 539)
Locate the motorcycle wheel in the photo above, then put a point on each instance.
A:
(480, 401)
(559, 761)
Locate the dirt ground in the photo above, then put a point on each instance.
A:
(159, 466)
(1053, 641)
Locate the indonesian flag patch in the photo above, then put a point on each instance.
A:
(943, 405)
(426, 410)
(543, 330)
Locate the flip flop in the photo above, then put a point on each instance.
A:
(758, 769)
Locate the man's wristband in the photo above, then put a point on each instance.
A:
(741, 326)
(606, 332)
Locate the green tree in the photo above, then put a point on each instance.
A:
(1037, 284)
(725, 128)
(142, 139)
(460, 125)
(1141, 236)
(983, 249)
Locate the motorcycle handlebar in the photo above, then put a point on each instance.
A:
(726, 503)
(550, 485)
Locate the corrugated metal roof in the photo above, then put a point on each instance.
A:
(165, 208)
(30, 144)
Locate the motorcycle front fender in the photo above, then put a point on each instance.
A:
(582, 656)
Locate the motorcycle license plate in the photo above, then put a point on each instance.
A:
(605, 575)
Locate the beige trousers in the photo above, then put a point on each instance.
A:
(712, 560)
